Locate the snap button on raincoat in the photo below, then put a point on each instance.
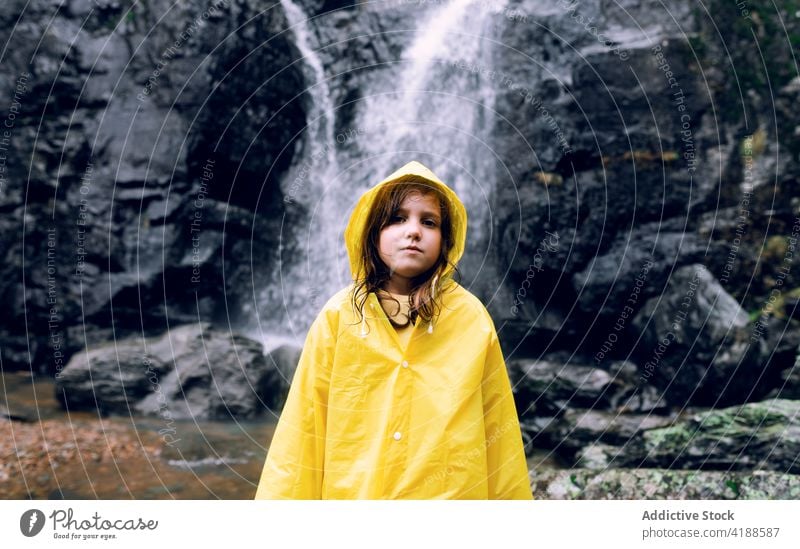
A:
(366, 418)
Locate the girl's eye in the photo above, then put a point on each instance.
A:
(429, 222)
(395, 219)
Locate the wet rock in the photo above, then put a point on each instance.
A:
(283, 359)
(598, 188)
(782, 342)
(135, 236)
(551, 387)
(663, 484)
(618, 203)
(759, 435)
(597, 456)
(633, 272)
(695, 343)
(111, 378)
(192, 371)
(554, 484)
(530, 329)
(538, 432)
(754, 436)
(577, 429)
(634, 396)
(789, 384)
(6, 414)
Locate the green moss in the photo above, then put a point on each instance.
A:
(775, 248)
(715, 420)
(765, 414)
(699, 46)
(676, 435)
(734, 486)
(754, 48)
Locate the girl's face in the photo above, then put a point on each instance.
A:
(412, 241)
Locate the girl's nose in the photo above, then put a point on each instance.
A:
(413, 229)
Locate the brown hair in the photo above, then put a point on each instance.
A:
(425, 297)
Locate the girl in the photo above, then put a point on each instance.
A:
(401, 391)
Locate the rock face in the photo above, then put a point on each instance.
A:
(147, 149)
(614, 167)
(651, 180)
(192, 372)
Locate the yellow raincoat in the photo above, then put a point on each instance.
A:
(366, 418)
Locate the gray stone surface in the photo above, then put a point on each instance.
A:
(663, 484)
(759, 435)
(695, 343)
(118, 115)
(191, 372)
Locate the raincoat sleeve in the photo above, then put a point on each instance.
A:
(507, 467)
(294, 465)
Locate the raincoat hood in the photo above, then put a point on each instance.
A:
(354, 233)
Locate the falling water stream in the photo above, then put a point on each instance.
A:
(287, 307)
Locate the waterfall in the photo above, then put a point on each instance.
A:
(427, 107)
(321, 116)
(288, 304)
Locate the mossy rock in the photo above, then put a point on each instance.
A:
(763, 435)
(663, 484)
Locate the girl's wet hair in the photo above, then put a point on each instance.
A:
(425, 298)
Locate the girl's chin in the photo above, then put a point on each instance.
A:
(408, 271)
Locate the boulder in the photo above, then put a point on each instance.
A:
(754, 436)
(8, 415)
(597, 456)
(758, 435)
(112, 377)
(192, 371)
(695, 345)
(551, 387)
(553, 384)
(577, 429)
